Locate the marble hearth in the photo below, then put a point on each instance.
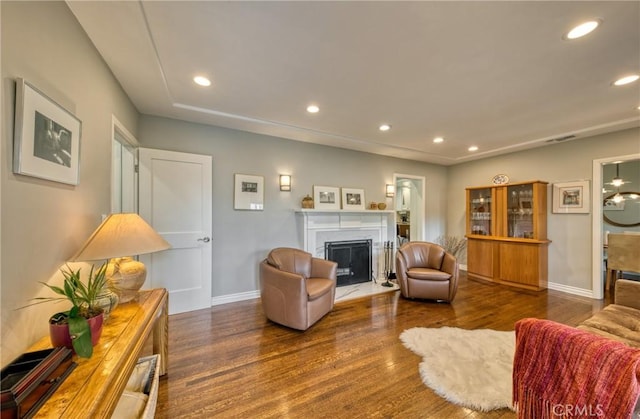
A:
(316, 227)
(351, 292)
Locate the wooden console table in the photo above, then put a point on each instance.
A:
(94, 387)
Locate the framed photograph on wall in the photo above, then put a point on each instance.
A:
(571, 197)
(46, 142)
(326, 197)
(248, 192)
(352, 199)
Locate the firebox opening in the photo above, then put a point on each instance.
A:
(353, 258)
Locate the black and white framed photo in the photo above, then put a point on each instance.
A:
(352, 199)
(248, 192)
(326, 197)
(46, 142)
(571, 197)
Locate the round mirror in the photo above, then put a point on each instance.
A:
(625, 213)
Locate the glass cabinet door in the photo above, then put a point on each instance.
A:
(520, 211)
(480, 212)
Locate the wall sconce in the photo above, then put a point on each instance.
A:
(390, 190)
(285, 183)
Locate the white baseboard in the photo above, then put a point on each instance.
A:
(557, 287)
(570, 290)
(250, 295)
(232, 298)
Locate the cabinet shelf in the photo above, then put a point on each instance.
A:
(506, 234)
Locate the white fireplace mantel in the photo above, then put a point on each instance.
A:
(316, 227)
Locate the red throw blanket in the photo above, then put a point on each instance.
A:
(563, 372)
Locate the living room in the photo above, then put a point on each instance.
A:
(44, 223)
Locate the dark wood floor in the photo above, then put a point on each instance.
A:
(230, 362)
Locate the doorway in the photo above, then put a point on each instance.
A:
(597, 221)
(124, 179)
(409, 207)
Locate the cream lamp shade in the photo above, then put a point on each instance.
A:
(119, 237)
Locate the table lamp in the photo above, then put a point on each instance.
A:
(118, 238)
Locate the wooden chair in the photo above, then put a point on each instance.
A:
(623, 255)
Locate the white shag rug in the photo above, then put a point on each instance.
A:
(471, 368)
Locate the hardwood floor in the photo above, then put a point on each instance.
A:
(231, 362)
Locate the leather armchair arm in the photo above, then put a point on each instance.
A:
(401, 272)
(449, 264)
(321, 268)
(291, 285)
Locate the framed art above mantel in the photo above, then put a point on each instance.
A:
(326, 197)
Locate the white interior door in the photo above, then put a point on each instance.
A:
(175, 199)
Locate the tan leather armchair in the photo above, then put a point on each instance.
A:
(296, 289)
(426, 270)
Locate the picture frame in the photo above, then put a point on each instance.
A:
(248, 192)
(46, 141)
(352, 199)
(571, 197)
(326, 197)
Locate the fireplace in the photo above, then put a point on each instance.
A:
(353, 258)
(317, 227)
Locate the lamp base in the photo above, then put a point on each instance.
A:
(125, 277)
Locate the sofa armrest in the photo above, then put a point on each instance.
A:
(628, 293)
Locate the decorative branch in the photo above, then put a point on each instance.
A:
(453, 244)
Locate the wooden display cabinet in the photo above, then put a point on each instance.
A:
(507, 234)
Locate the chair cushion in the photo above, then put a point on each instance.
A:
(615, 322)
(317, 287)
(291, 260)
(428, 274)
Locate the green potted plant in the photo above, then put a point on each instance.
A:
(79, 327)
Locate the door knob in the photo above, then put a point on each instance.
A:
(204, 239)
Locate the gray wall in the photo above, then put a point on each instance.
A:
(242, 238)
(570, 250)
(43, 223)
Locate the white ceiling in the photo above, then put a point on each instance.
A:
(498, 75)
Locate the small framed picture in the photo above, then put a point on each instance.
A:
(248, 192)
(326, 197)
(571, 197)
(46, 142)
(352, 199)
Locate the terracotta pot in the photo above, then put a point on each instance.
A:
(59, 333)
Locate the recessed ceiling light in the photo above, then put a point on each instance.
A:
(313, 109)
(473, 148)
(626, 80)
(202, 81)
(583, 29)
(384, 127)
(438, 140)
